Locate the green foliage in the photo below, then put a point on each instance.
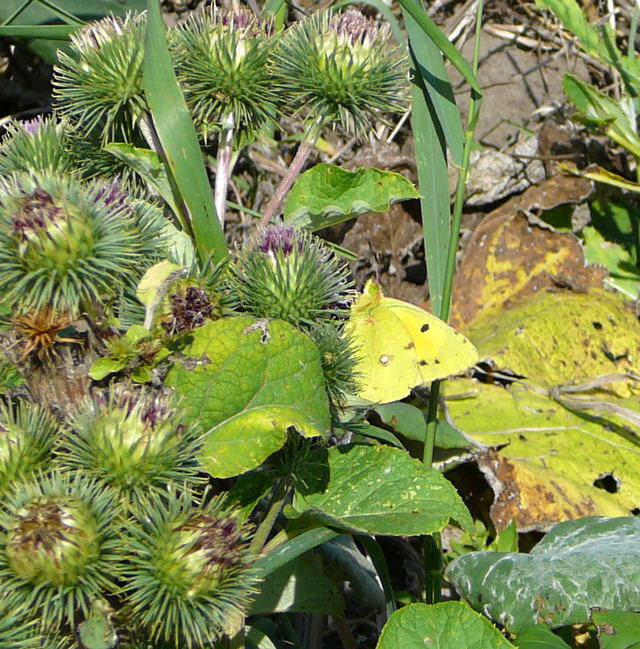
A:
(247, 381)
(449, 625)
(617, 629)
(578, 565)
(390, 492)
(327, 194)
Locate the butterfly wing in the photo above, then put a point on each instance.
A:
(440, 350)
(387, 363)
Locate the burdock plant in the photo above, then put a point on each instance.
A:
(58, 546)
(222, 57)
(100, 88)
(133, 440)
(337, 69)
(190, 570)
(64, 245)
(27, 435)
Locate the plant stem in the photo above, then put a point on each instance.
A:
(225, 152)
(305, 148)
(433, 543)
(278, 496)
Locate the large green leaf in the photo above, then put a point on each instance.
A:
(374, 490)
(299, 586)
(617, 629)
(578, 565)
(328, 194)
(449, 625)
(248, 381)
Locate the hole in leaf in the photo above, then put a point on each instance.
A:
(607, 482)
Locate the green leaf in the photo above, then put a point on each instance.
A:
(179, 140)
(247, 381)
(435, 34)
(597, 109)
(257, 639)
(293, 548)
(615, 259)
(328, 194)
(375, 490)
(579, 564)
(410, 422)
(449, 625)
(617, 629)
(539, 636)
(299, 586)
(105, 366)
(150, 167)
(433, 115)
(575, 19)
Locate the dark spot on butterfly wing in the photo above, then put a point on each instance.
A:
(411, 345)
(425, 327)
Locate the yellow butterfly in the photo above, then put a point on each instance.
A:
(401, 346)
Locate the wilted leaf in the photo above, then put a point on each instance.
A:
(549, 458)
(509, 257)
(375, 490)
(247, 381)
(328, 194)
(617, 629)
(449, 625)
(562, 336)
(578, 565)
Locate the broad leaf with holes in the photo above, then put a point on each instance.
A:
(247, 382)
(365, 489)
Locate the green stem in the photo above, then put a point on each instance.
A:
(433, 543)
(278, 497)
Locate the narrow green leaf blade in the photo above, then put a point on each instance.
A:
(294, 548)
(178, 137)
(433, 32)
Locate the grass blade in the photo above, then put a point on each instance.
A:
(178, 138)
(293, 548)
(51, 32)
(432, 31)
